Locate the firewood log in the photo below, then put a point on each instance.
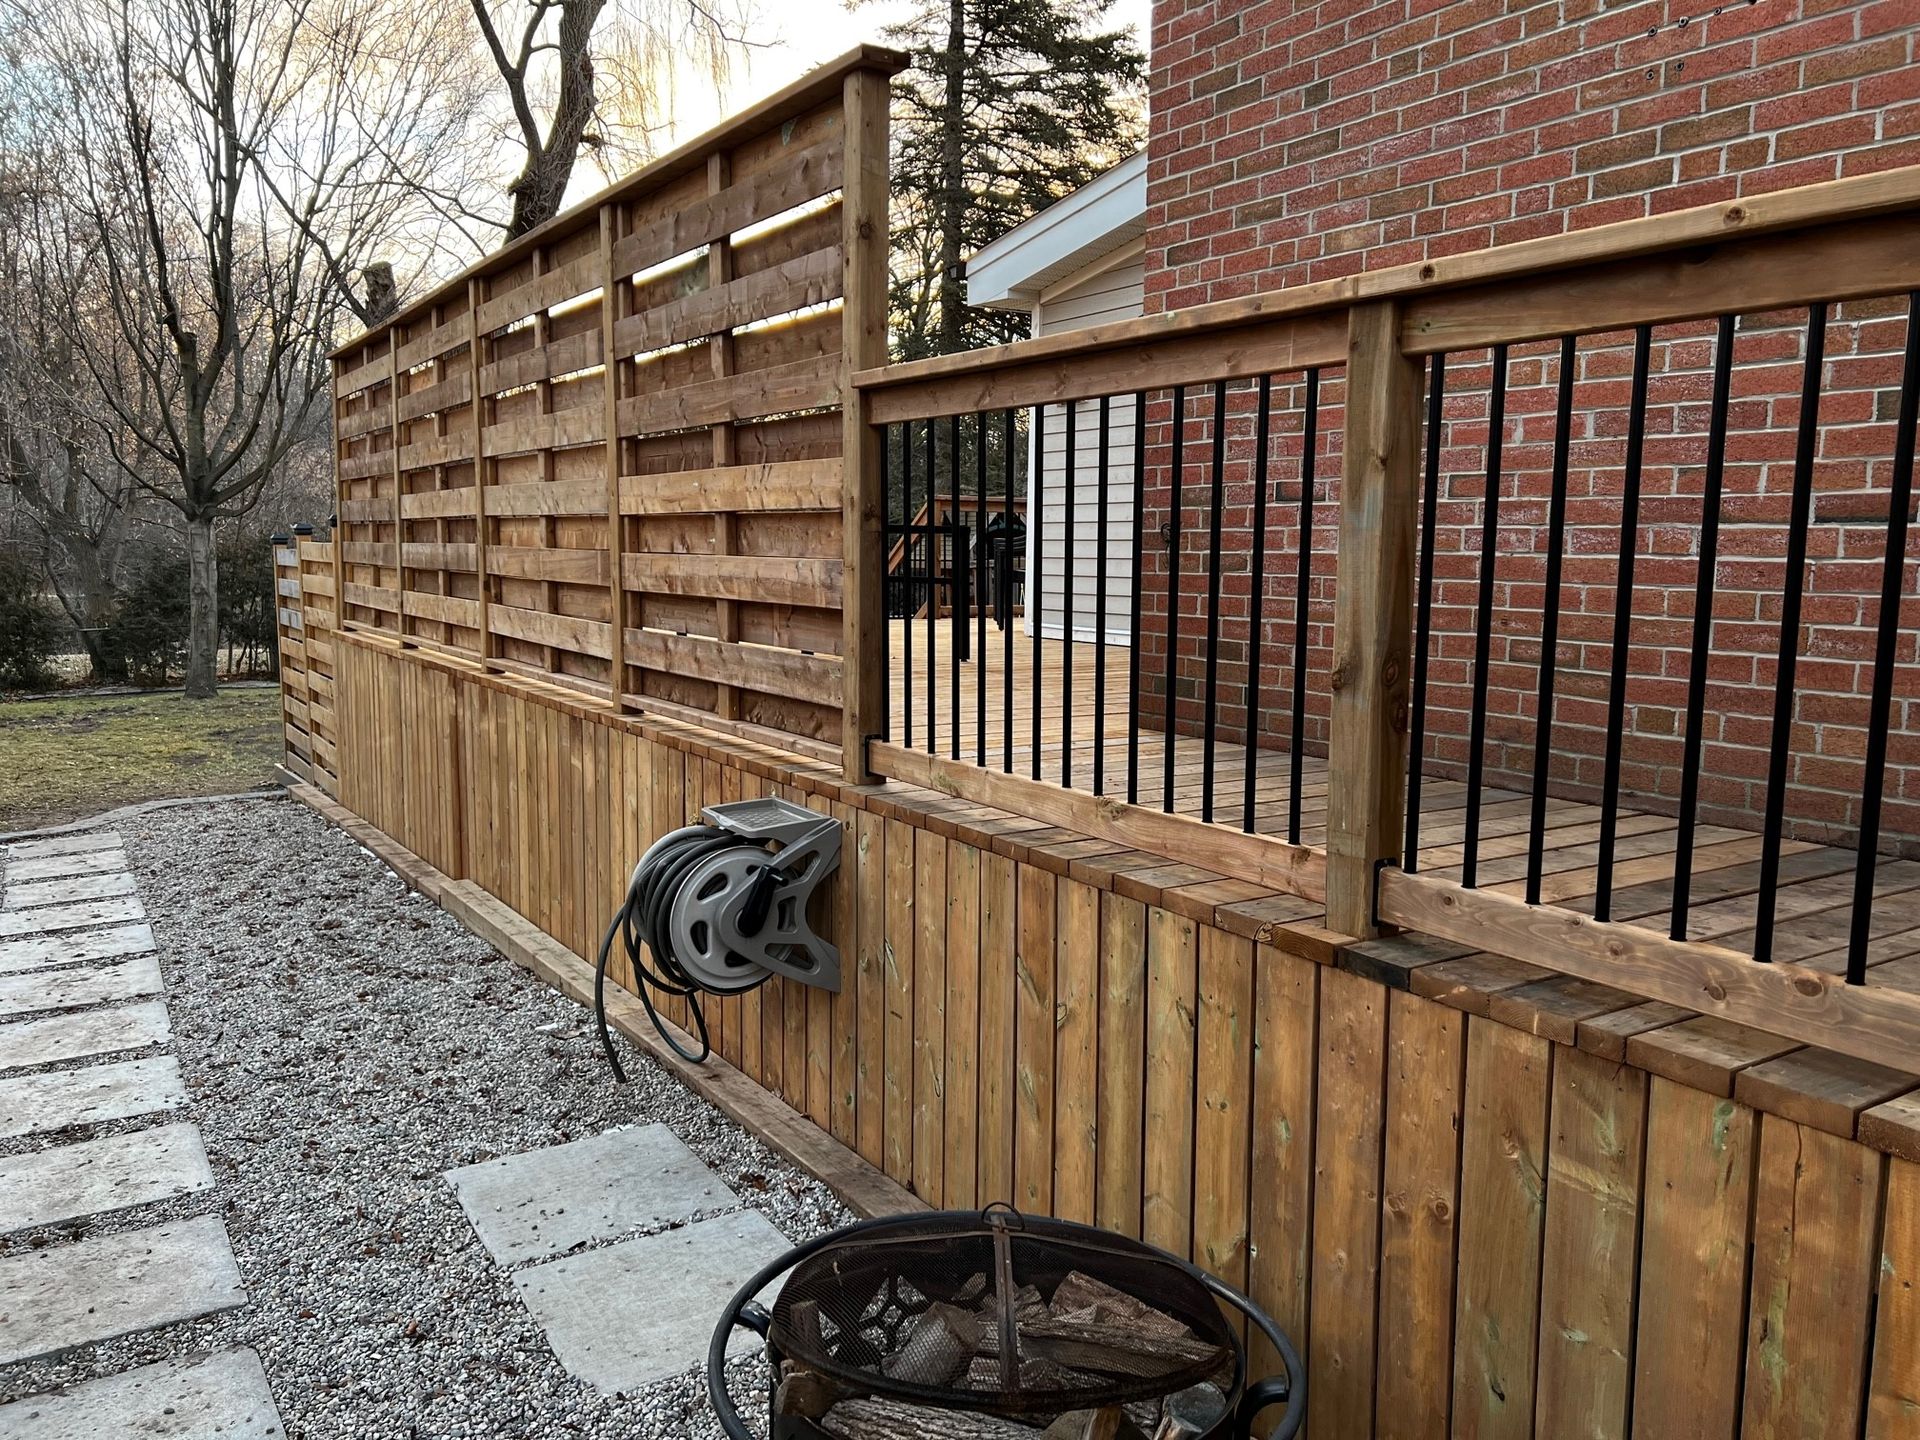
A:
(1080, 1293)
(939, 1344)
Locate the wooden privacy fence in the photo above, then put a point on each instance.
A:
(303, 579)
(1353, 371)
(609, 455)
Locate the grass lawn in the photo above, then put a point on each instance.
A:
(66, 759)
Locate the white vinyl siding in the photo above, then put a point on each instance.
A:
(1112, 294)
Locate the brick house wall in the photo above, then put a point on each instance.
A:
(1293, 143)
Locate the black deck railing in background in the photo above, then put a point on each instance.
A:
(1488, 403)
(930, 457)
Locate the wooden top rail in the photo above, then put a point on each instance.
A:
(1844, 239)
(809, 92)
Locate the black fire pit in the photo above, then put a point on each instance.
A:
(900, 1328)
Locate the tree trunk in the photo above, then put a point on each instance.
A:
(203, 625)
(953, 183)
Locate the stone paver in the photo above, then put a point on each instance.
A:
(98, 1177)
(59, 1099)
(54, 867)
(122, 908)
(66, 892)
(545, 1202)
(85, 1033)
(63, 844)
(54, 1299)
(223, 1397)
(72, 947)
(71, 989)
(621, 1316)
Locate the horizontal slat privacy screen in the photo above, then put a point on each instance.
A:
(672, 542)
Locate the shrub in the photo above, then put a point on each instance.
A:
(30, 628)
(148, 633)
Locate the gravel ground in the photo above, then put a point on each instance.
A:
(345, 1043)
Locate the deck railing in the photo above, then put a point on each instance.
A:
(1571, 413)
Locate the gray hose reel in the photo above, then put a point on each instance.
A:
(717, 936)
(722, 907)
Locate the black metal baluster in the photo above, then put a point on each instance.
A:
(1892, 590)
(886, 578)
(1622, 622)
(909, 586)
(1302, 580)
(933, 590)
(1550, 619)
(1173, 591)
(1068, 486)
(1256, 604)
(1100, 606)
(1004, 588)
(1423, 616)
(1134, 589)
(1483, 616)
(1702, 626)
(1215, 504)
(1802, 514)
(956, 587)
(978, 562)
(1037, 547)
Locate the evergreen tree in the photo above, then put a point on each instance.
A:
(1008, 105)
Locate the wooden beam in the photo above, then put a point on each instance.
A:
(1263, 859)
(614, 290)
(1870, 1022)
(864, 241)
(1373, 615)
(476, 346)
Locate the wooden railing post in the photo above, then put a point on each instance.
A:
(1366, 791)
(864, 239)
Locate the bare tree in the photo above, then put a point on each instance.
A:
(552, 56)
(201, 323)
(53, 464)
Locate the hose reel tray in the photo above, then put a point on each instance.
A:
(722, 907)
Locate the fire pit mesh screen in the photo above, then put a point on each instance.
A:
(933, 1316)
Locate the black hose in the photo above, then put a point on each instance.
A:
(644, 920)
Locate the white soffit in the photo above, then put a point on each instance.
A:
(1106, 213)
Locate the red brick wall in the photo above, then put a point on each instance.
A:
(1296, 142)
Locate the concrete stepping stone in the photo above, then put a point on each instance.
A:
(98, 1177)
(86, 1033)
(72, 989)
(70, 948)
(635, 1312)
(223, 1396)
(54, 1299)
(16, 924)
(65, 892)
(64, 844)
(54, 867)
(546, 1202)
(60, 1099)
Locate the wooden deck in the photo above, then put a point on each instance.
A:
(1813, 910)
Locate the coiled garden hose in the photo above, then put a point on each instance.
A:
(643, 921)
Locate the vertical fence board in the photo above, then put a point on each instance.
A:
(1348, 1145)
(1033, 1039)
(1590, 1267)
(998, 943)
(962, 1081)
(1076, 1051)
(1502, 1214)
(1122, 1053)
(930, 1017)
(1419, 1221)
(1166, 1211)
(1810, 1303)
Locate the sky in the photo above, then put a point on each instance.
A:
(800, 34)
